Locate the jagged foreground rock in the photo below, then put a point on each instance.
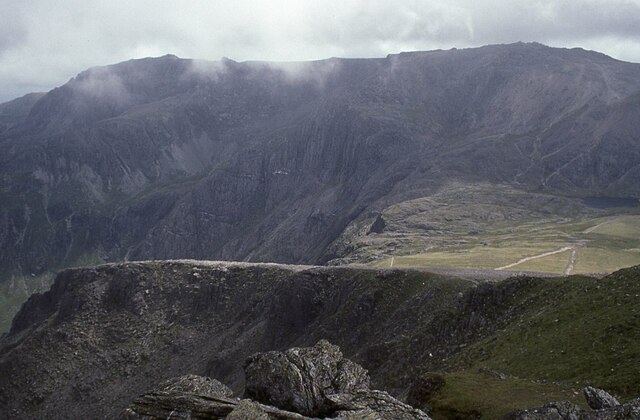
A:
(301, 379)
(299, 383)
(598, 398)
(605, 407)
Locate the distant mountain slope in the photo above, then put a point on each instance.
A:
(16, 111)
(172, 158)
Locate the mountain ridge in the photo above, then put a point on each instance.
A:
(171, 158)
(103, 335)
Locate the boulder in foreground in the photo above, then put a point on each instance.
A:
(295, 384)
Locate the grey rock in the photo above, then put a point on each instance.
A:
(247, 409)
(560, 410)
(195, 384)
(314, 381)
(177, 405)
(628, 410)
(364, 414)
(379, 404)
(181, 403)
(318, 381)
(184, 397)
(300, 379)
(598, 398)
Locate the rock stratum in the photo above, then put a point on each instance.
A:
(165, 158)
(104, 335)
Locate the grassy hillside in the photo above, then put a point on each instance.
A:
(545, 246)
(577, 329)
(470, 394)
(497, 227)
(562, 334)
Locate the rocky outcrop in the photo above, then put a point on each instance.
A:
(318, 381)
(247, 409)
(302, 379)
(195, 384)
(298, 383)
(372, 403)
(604, 405)
(599, 398)
(188, 396)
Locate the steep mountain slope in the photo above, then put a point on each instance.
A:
(16, 111)
(103, 335)
(172, 158)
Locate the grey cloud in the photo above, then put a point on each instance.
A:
(210, 70)
(102, 83)
(557, 20)
(13, 28)
(44, 43)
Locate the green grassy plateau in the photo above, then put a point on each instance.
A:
(496, 227)
(596, 245)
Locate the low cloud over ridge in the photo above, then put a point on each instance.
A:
(43, 44)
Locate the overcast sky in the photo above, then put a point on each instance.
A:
(43, 43)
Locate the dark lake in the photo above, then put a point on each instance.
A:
(608, 202)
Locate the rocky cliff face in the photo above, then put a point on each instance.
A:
(172, 158)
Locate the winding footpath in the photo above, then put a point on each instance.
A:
(544, 254)
(592, 228)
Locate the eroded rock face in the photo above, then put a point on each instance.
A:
(195, 384)
(373, 404)
(301, 379)
(184, 397)
(599, 398)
